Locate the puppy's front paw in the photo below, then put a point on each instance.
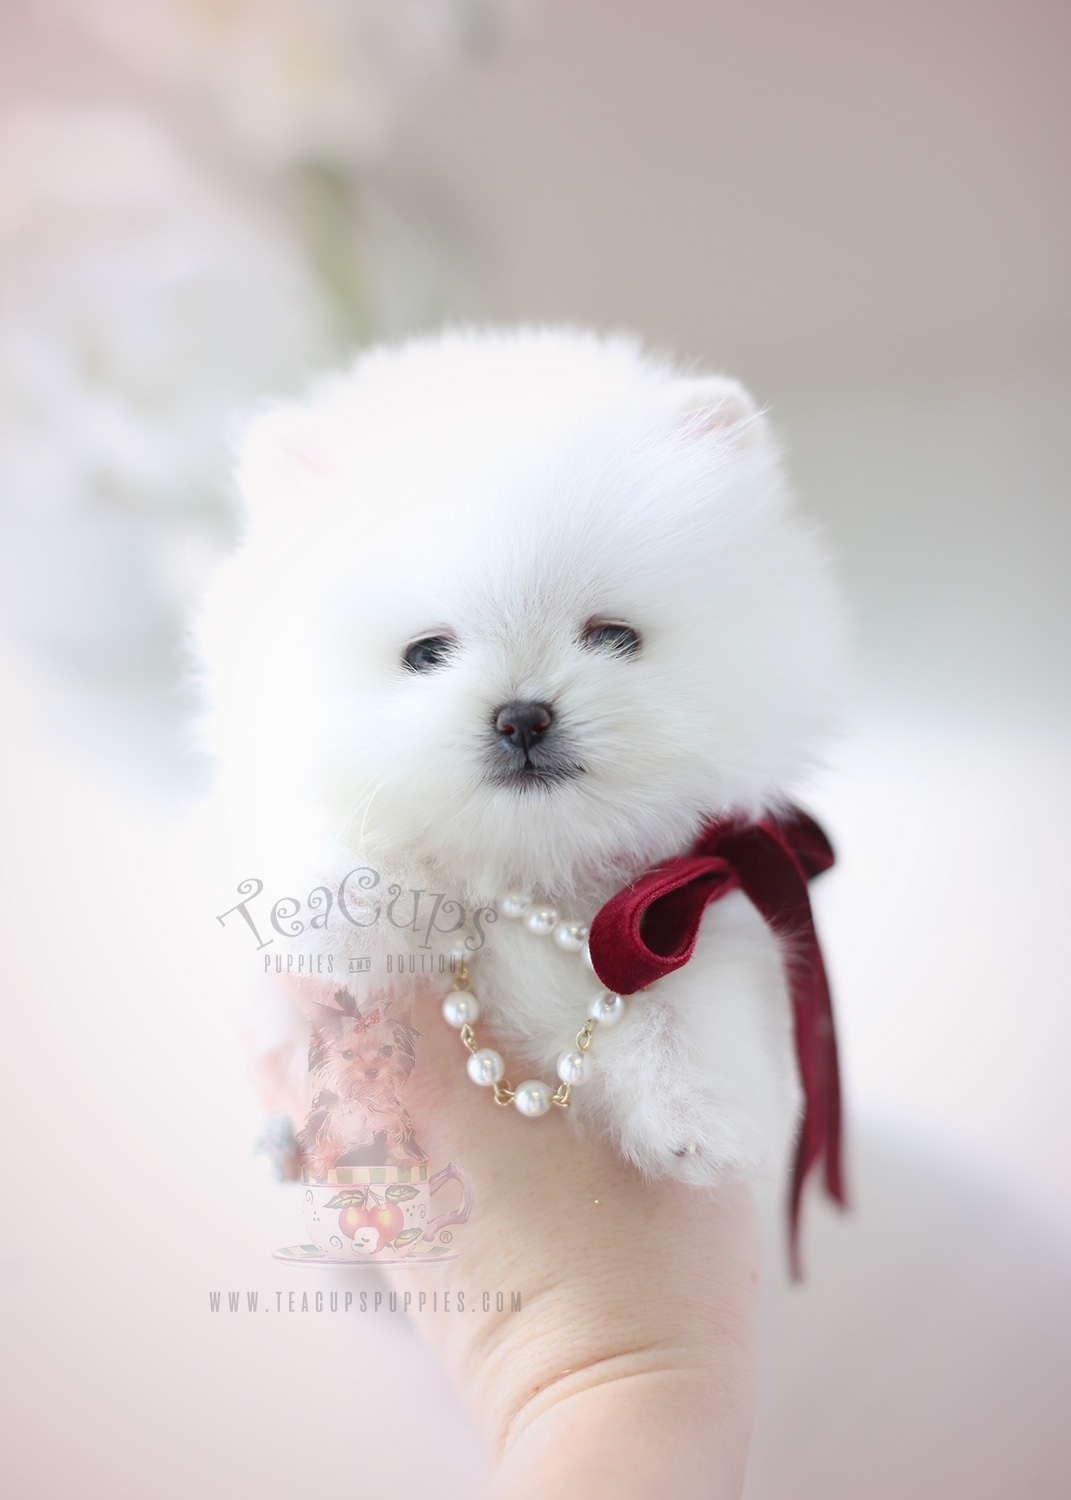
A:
(694, 1139)
(692, 1107)
(692, 1164)
(702, 1166)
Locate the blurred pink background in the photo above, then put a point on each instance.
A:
(861, 211)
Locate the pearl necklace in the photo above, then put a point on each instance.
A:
(485, 1066)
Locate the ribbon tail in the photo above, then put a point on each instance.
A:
(834, 1169)
(799, 1174)
(774, 875)
(820, 1131)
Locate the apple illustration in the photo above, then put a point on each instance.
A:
(386, 1221)
(350, 1220)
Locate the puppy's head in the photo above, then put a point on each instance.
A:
(361, 1060)
(524, 606)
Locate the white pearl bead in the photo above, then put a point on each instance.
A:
(571, 936)
(461, 956)
(461, 1008)
(532, 1097)
(541, 920)
(486, 1067)
(585, 958)
(513, 904)
(574, 1067)
(607, 1009)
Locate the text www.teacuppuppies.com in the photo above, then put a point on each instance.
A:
(458, 1301)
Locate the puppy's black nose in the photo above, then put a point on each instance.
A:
(371, 1072)
(523, 724)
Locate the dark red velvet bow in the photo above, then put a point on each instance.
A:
(650, 928)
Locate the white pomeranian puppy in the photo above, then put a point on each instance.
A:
(518, 614)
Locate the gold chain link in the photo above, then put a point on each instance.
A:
(584, 1035)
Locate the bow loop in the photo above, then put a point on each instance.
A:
(650, 928)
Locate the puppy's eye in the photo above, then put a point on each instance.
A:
(349, 1054)
(622, 640)
(424, 655)
(386, 1051)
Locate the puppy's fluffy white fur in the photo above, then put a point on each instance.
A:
(502, 490)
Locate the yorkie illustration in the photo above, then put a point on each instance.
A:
(361, 1063)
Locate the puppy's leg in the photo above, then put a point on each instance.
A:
(699, 1078)
(323, 1153)
(402, 1145)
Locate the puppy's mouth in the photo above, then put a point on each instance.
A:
(375, 1094)
(530, 775)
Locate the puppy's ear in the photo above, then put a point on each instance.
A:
(326, 1021)
(285, 461)
(716, 406)
(346, 1002)
(405, 1037)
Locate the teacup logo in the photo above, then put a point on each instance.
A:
(367, 1186)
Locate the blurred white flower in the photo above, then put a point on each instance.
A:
(141, 309)
(295, 79)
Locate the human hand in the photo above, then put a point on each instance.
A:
(629, 1369)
